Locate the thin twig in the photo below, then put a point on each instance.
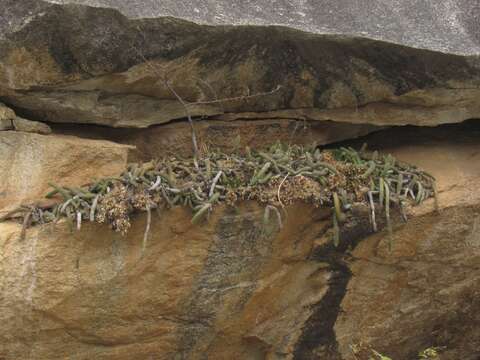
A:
(235, 98)
(179, 98)
(212, 90)
(187, 112)
(185, 104)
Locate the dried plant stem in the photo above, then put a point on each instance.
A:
(147, 229)
(279, 189)
(336, 230)
(214, 183)
(372, 211)
(187, 113)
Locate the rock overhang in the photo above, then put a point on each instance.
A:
(448, 26)
(74, 63)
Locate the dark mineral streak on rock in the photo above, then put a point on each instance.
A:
(96, 41)
(235, 256)
(318, 339)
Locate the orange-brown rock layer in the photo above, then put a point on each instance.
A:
(226, 289)
(29, 162)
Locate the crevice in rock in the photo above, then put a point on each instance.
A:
(318, 338)
(160, 140)
(131, 109)
(394, 136)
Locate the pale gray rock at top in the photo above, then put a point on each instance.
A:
(73, 63)
(441, 25)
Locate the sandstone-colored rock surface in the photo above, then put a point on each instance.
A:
(10, 121)
(7, 116)
(120, 79)
(20, 124)
(92, 294)
(424, 293)
(422, 108)
(28, 162)
(228, 136)
(6, 113)
(225, 290)
(231, 287)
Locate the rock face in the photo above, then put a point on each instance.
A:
(227, 136)
(226, 290)
(28, 162)
(10, 121)
(400, 298)
(6, 118)
(82, 84)
(51, 70)
(449, 26)
(189, 285)
(423, 294)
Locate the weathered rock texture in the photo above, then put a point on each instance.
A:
(401, 302)
(71, 63)
(228, 136)
(225, 290)
(10, 121)
(28, 162)
(7, 116)
(448, 25)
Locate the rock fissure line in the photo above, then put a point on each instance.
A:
(362, 114)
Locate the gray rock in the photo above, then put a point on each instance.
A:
(78, 64)
(447, 25)
(70, 63)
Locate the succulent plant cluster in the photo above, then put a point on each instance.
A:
(276, 177)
